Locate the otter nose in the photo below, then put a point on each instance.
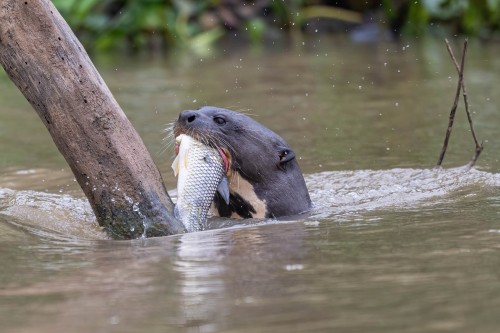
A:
(188, 116)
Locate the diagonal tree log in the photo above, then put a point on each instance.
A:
(48, 64)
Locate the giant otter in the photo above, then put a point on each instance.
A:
(264, 177)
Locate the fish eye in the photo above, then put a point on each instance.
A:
(219, 120)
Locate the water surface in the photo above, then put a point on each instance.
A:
(392, 245)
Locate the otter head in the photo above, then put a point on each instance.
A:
(264, 177)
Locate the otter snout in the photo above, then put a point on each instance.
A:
(187, 121)
(188, 117)
(198, 123)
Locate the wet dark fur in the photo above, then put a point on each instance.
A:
(258, 154)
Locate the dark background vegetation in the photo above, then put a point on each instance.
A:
(198, 24)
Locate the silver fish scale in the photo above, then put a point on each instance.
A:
(204, 173)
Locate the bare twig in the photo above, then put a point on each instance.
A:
(477, 152)
(479, 147)
(454, 107)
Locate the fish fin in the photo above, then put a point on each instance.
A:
(223, 189)
(175, 165)
(177, 214)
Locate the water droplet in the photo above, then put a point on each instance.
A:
(312, 223)
(294, 267)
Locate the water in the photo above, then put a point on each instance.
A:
(392, 245)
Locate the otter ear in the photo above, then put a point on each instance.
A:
(286, 155)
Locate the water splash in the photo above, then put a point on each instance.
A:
(136, 208)
(336, 195)
(50, 214)
(341, 192)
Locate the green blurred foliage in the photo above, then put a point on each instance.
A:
(470, 17)
(198, 24)
(134, 24)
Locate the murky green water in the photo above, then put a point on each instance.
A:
(391, 245)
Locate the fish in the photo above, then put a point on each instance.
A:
(201, 173)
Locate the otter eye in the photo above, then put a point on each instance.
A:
(219, 120)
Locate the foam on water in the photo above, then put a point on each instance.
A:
(47, 214)
(343, 192)
(335, 194)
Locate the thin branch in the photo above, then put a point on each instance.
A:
(477, 152)
(454, 107)
(479, 147)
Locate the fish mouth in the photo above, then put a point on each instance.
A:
(207, 141)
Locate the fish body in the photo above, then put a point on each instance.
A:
(201, 173)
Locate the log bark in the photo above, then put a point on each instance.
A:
(45, 60)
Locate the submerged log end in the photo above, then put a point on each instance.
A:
(129, 220)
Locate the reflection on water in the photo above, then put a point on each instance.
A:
(391, 245)
(401, 243)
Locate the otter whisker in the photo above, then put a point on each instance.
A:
(217, 141)
(167, 140)
(256, 137)
(225, 143)
(164, 147)
(242, 111)
(169, 126)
